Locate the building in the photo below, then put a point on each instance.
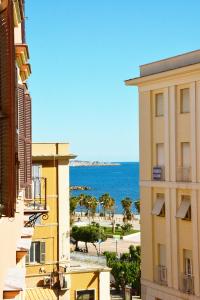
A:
(169, 109)
(50, 272)
(15, 148)
(48, 261)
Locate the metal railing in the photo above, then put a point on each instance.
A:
(183, 174)
(187, 283)
(85, 257)
(36, 195)
(161, 275)
(158, 173)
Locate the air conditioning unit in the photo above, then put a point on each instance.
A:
(47, 280)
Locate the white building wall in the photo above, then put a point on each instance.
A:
(63, 214)
(104, 285)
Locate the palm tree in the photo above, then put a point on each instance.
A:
(73, 204)
(126, 204)
(107, 202)
(90, 204)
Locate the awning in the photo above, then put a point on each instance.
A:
(40, 294)
(158, 206)
(183, 208)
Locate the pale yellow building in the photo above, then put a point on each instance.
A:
(47, 263)
(169, 109)
(51, 272)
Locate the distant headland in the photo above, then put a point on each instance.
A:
(80, 163)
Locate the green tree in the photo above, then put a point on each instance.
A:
(137, 205)
(73, 201)
(127, 204)
(87, 234)
(126, 228)
(107, 202)
(126, 270)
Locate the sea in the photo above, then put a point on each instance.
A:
(119, 181)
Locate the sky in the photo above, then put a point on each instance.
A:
(82, 51)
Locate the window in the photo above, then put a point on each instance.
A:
(36, 184)
(184, 100)
(159, 206)
(162, 254)
(187, 256)
(85, 295)
(159, 101)
(185, 149)
(184, 211)
(36, 253)
(160, 154)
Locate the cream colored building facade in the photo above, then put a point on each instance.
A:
(169, 109)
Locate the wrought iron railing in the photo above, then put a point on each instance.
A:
(36, 195)
(161, 275)
(158, 173)
(183, 174)
(187, 283)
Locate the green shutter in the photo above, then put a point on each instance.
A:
(42, 252)
(27, 258)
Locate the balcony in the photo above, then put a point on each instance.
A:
(161, 275)
(158, 173)
(183, 174)
(36, 201)
(187, 283)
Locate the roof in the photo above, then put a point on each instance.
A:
(165, 65)
(53, 157)
(40, 294)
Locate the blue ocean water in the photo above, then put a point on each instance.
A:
(119, 181)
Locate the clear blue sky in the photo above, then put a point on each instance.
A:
(82, 51)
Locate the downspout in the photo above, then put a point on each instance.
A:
(57, 187)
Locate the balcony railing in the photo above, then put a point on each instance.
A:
(187, 283)
(158, 173)
(36, 195)
(183, 174)
(161, 275)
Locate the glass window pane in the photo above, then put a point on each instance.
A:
(185, 103)
(159, 105)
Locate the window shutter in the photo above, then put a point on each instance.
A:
(7, 113)
(22, 130)
(42, 252)
(27, 258)
(28, 139)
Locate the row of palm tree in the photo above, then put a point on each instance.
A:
(90, 203)
(106, 202)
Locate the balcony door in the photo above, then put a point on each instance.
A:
(36, 185)
(160, 155)
(185, 155)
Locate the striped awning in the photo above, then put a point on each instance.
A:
(40, 294)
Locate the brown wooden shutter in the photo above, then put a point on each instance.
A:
(25, 136)
(28, 140)
(22, 138)
(7, 113)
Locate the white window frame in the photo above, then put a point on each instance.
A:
(41, 254)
